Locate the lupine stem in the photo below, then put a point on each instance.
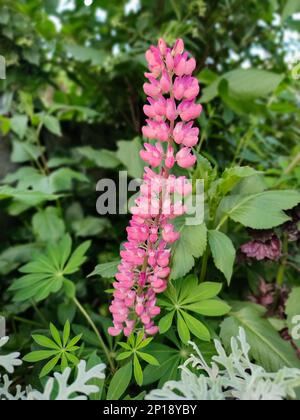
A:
(95, 329)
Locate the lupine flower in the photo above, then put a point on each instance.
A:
(145, 266)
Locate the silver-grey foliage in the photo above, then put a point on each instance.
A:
(231, 376)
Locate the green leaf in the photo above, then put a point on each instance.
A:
(251, 211)
(223, 252)
(120, 382)
(138, 373)
(45, 341)
(69, 288)
(291, 7)
(293, 314)
(182, 329)
(196, 327)
(129, 154)
(55, 334)
(84, 54)
(100, 158)
(124, 355)
(77, 258)
(39, 355)
(106, 270)
(267, 347)
(47, 225)
(52, 124)
(191, 244)
(23, 151)
(49, 366)
(166, 322)
(148, 358)
(203, 291)
(244, 84)
(90, 226)
(66, 333)
(211, 307)
(19, 125)
(169, 359)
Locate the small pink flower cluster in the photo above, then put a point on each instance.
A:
(145, 266)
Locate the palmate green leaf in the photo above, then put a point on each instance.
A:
(267, 347)
(120, 382)
(46, 273)
(191, 244)
(263, 210)
(223, 252)
(185, 296)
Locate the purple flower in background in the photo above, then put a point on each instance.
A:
(264, 245)
(292, 228)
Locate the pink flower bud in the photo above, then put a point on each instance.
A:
(178, 47)
(162, 46)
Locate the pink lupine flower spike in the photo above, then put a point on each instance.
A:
(145, 267)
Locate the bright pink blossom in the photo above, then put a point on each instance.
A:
(185, 158)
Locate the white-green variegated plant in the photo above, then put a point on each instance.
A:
(58, 387)
(231, 376)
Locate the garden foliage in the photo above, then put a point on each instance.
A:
(71, 114)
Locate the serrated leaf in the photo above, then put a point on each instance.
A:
(251, 211)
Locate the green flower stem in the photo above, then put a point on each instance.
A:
(204, 265)
(95, 329)
(284, 261)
